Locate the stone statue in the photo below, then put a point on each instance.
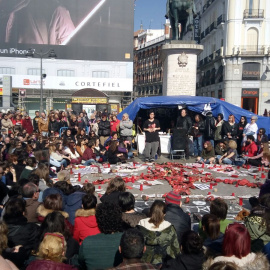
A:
(180, 11)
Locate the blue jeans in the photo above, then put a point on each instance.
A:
(224, 160)
(89, 162)
(202, 160)
(197, 143)
(64, 162)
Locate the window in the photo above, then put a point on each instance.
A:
(7, 70)
(100, 74)
(65, 73)
(35, 71)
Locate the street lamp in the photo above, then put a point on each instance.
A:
(51, 54)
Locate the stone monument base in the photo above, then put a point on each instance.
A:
(180, 67)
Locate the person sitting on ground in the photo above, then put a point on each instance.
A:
(192, 254)
(262, 137)
(258, 223)
(175, 214)
(89, 154)
(208, 154)
(214, 240)
(257, 160)
(55, 222)
(53, 202)
(219, 208)
(130, 217)
(113, 137)
(230, 155)
(81, 146)
(236, 249)
(56, 159)
(51, 253)
(221, 148)
(42, 172)
(100, 251)
(30, 193)
(70, 149)
(132, 248)
(100, 151)
(114, 156)
(249, 148)
(115, 187)
(160, 236)
(31, 163)
(85, 219)
(20, 233)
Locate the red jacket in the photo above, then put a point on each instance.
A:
(251, 149)
(85, 224)
(114, 125)
(88, 154)
(27, 125)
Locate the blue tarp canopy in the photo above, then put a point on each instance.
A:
(195, 104)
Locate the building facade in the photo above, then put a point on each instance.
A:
(148, 72)
(235, 63)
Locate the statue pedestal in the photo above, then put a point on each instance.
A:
(180, 67)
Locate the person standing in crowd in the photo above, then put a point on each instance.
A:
(6, 123)
(240, 129)
(35, 121)
(114, 124)
(27, 124)
(125, 128)
(197, 131)
(210, 128)
(53, 125)
(104, 129)
(219, 124)
(43, 125)
(251, 129)
(184, 122)
(229, 129)
(151, 128)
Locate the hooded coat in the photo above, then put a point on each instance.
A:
(85, 224)
(253, 261)
(160, 242)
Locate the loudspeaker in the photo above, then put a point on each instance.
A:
(179, 139)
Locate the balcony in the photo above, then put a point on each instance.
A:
(221, 19)
(207, 31)
(202, 35)
(254, 14)
(252, 50)
(213, 26)
(201, 63)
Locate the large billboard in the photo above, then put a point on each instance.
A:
(76, 29)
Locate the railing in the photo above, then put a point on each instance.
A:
(252, 50)
(221, 19)
(201, 63)
(218, 52)
(207, 31)
(213, 26)
(202, 35)
(210, 57)
(253, 13)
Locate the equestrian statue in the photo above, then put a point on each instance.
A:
(180, 12)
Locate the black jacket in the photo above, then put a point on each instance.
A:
(184, 122)
(185, 261)
(210, 127)
(22, 233)
(104, 128)
(54, 126)
(199, 131)
(227, 128)
(178, 218)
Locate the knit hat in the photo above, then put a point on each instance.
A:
(173, 197)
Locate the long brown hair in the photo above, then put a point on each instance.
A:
(3, 236)
(157, 212)
(209, 146)
(42, 172)
(116, 184)
(54, 202)
(113, 146)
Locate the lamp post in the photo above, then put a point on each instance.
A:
(51, 54)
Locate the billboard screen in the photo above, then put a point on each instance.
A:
(76, 29)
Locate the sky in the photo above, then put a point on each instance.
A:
(151, 13)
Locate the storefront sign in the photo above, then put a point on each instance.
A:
(251, 71)
(86, 100)
(250, 92)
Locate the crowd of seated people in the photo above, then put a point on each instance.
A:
(47, 225)
(110, 233)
